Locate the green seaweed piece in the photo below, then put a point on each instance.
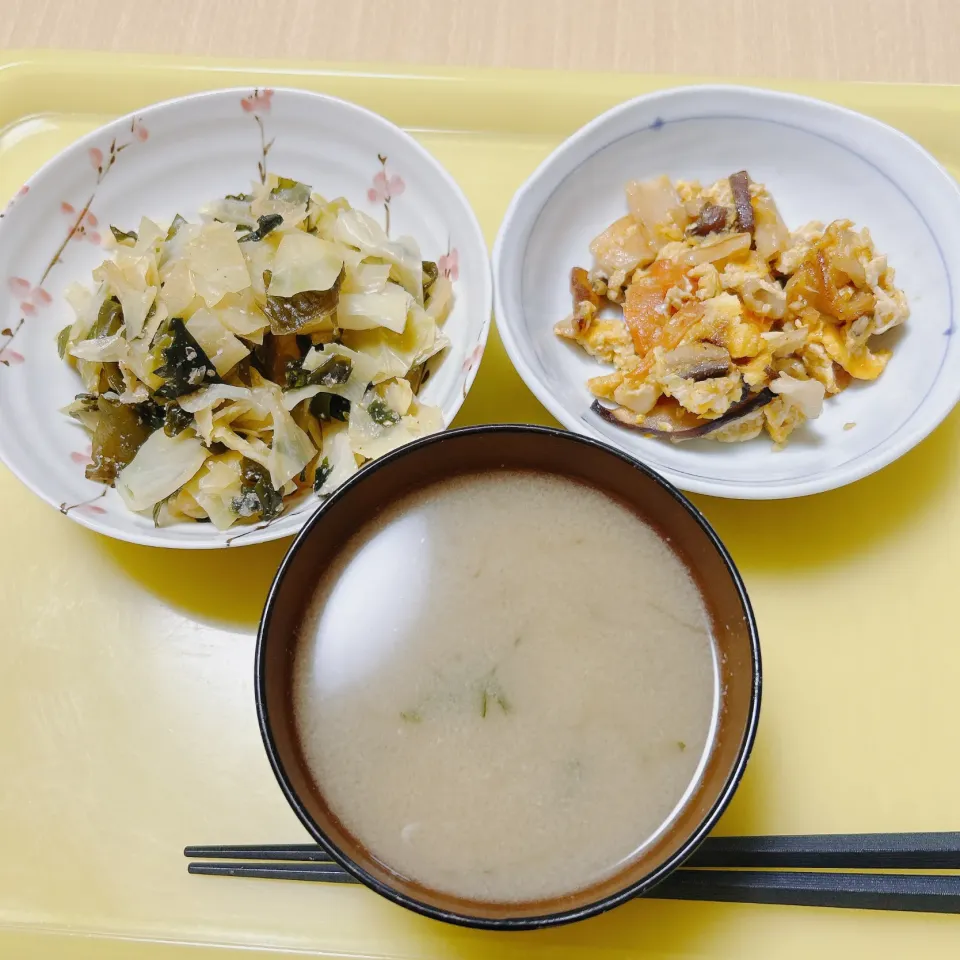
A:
(175, 226)
(109, 319)
(176, 420)
(258, 498)
(186, 368)
(381, 413)
(125, 237)
(118, 436)
(324, 469)
(307, 309)
(63, 340)
(335, 372)
(291, 191)
(330, 406)
(265, 225)
(430, 273)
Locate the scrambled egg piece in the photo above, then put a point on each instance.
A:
(731, 325)
(607, 340)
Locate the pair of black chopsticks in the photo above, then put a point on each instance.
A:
(782, 870)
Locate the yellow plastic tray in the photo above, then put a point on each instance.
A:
(127, 725)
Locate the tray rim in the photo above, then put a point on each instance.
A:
(17, 65)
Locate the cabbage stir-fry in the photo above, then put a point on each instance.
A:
(266, 351)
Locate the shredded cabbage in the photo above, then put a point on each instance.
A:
(371, 439)
(208, 397)
(304, 262)
(219, 344)
(103, 349)
(372, 311)
(216, 487)
(130, 287)
(363, 370)
(367, 278)
(177, 290)
(356, 229)
(394, 354)
(240, 314)
(86, 306)
(337, 459)
(161, 466)
(216, 262)
(291, 449)
(441, 299)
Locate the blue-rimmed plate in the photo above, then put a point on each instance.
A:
(820, 162)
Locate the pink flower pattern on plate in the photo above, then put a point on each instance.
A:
(22, 192)
(473, 358)
(85, 227)
(449, 264)
(258, 101)
(10, 357)
(385, 187)
(88, 506)
(470, 364)
(31, 298)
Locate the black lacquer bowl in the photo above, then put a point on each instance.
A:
(478, 449)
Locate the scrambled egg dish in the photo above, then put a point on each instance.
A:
(728, 324)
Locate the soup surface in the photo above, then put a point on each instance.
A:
(505, 685)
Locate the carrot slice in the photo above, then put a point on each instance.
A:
(643, 307)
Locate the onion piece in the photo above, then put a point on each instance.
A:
(654, 203)
(850, 268)
(770, 232)
(622, 246)
(718, 249)
(806, 395)
(765, 298)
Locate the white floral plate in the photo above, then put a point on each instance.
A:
(820, 162)
(172, 158)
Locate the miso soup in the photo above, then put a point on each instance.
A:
(506, 685)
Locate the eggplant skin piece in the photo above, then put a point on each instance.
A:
(743, 408)
(697, 362)
(740, 188)
(712, 219)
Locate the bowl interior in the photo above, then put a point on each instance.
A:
(492, 448)
(176, 157)
(819, 163)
